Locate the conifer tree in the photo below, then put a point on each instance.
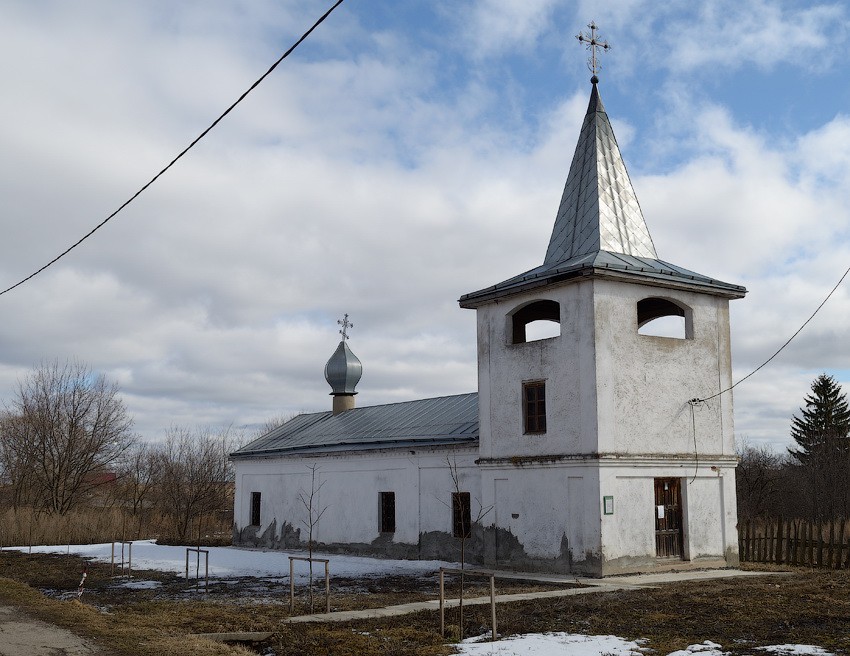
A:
(823, 428)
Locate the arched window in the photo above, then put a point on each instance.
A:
(661, 317)
(535, 321)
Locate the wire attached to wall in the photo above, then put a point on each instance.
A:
(693, 403)
(180, 155)
(779, 350)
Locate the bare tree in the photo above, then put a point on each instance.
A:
(463, 521)
(17, 461)
(193, 470)
(64, 426)
(137, 476)
(758, 478)
(310, 502)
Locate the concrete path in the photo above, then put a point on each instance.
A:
(594, 586)
(21, 635)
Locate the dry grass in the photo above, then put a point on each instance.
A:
(25, 527)
(810, 607)
(807, 607)
(168, 612)
(83, 525)
(118, 634)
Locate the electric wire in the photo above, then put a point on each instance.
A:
(779, 350)
(180, 155)
(696, 451)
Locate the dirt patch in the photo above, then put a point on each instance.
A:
(26, 636)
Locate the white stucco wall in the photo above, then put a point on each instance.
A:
(542, 504)
(608, 388)
(644, 382)
(566, 363)
(708, 510)
(350, 487)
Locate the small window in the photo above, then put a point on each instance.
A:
(387, 521)
(255, 508)
(534, 406)
(461, 515)
(660, 317)
(536, 321)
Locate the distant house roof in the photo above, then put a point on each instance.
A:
(443, 421)
(100, 478)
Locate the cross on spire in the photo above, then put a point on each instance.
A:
(593, 42)
(346, 324)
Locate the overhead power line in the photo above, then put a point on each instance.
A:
(182, 152)
(780, 349)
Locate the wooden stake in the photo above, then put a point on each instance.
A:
(831, 549)
(327, 588)
(811, 543)
(493, 606)
(291, 588)
(442, 604)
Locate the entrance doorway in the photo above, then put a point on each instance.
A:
(668, 518)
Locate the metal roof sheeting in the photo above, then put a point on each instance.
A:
(427, 422)
(602, 263)
(599, 209)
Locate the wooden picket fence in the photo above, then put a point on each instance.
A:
(795, 542)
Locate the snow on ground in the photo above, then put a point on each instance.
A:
(232, 562)
(707, 648)
(139, 585)
(552, 644)
(570, 644)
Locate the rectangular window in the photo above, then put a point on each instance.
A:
(255, 508)
(387, 512)
(534, 406)
(461, 515)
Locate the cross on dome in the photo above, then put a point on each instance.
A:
(346, 324)
(593, 42)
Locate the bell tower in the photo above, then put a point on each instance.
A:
(580, 425)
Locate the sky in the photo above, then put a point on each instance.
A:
(404, 155)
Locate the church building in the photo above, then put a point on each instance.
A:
(597, 449)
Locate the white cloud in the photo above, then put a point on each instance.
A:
(761, 32)
(499, 26)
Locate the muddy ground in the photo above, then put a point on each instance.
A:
(153, 610)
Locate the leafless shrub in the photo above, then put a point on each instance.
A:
(461, 506)
(193, 475)
(313, 513)
(758, 479)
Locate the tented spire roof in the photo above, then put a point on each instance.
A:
(599, 229)
(599, 209)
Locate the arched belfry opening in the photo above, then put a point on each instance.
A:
(661, 317)
(535, 321)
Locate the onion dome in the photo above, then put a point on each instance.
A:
(343, 370)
